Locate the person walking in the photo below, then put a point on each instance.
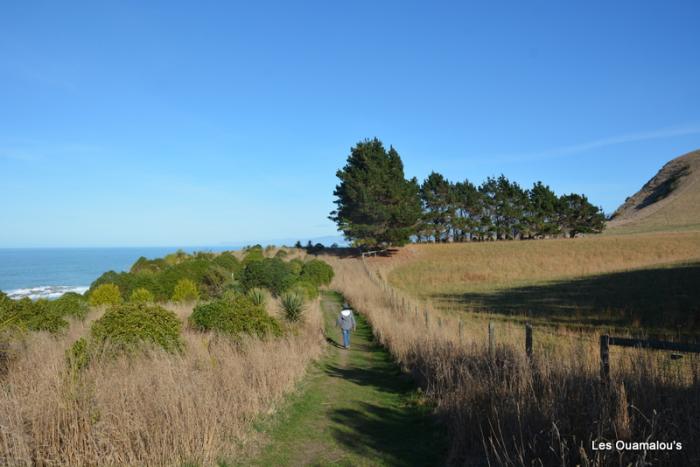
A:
(346, 323)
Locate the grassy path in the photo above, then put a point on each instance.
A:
(354, 408)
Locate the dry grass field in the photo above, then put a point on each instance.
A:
(194, 408)
(507, 409)
(637, 280)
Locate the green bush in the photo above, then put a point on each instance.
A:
(214, 282)
(306, 289)
(230, 294)
(71, 304)
(141, 295)
(178, 257)
(258, 296)
(148, 265)
(127, 326)
(293, 306)
(27, 314)
(213, 274)
(253, 254)
(227, 261)
(8, 314)
(185, 291)
(78, 355)
(238, 315)
(105, 294)
(317, 272)
(270, 273)
(295, 266)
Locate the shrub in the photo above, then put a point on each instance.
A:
(178, 257)
(281, 254)
(141, 295)
(8, 314)
(71, 304)
(215, 281)
(230, 294)
(36, 316)
(185, 291)
(253, 254)
(270, 273)
(105, 294)
(78, 355)
(148, 265)
(207, 255)
(295, 266)
(306, 289)
(234, 316)
(212, 274)
(293, 306)
(127, 326)
(317, 272)
(229, 262)
(257, 296)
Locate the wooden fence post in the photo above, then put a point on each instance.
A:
(605, 358)
(492, 340)
(528, 340)
(461, 331)
(427, 322)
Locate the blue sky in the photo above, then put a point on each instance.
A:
(201, 123)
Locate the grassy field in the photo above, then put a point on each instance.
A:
(506, 409)
(641, 280)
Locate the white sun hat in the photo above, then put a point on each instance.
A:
(345, 313)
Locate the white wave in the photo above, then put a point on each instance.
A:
(50, 292)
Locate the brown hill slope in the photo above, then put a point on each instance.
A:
(669, 201)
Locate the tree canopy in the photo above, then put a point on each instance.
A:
(376, 205)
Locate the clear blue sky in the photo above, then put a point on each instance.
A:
(179, 123)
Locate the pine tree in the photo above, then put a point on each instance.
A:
(487, 224)
(467, 207)
(543, 206)
(376, 205)
(438, 208)
(578, 215)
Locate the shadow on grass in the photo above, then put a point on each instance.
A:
(666, 298)
(333, 342)
(400, 437)
(348, 252)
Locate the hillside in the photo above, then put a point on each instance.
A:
(669, 201)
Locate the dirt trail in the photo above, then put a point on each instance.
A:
(354, 408)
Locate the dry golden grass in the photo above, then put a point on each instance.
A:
(511, 411)
(430, 269)
(643, 281)
(157, 409)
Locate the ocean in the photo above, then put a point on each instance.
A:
(51, 272)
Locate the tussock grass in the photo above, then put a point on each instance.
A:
(508, 410)
(155, 409)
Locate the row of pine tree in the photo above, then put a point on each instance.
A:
(377, 205)
(500, 209)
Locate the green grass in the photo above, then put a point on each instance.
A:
(354, 408)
